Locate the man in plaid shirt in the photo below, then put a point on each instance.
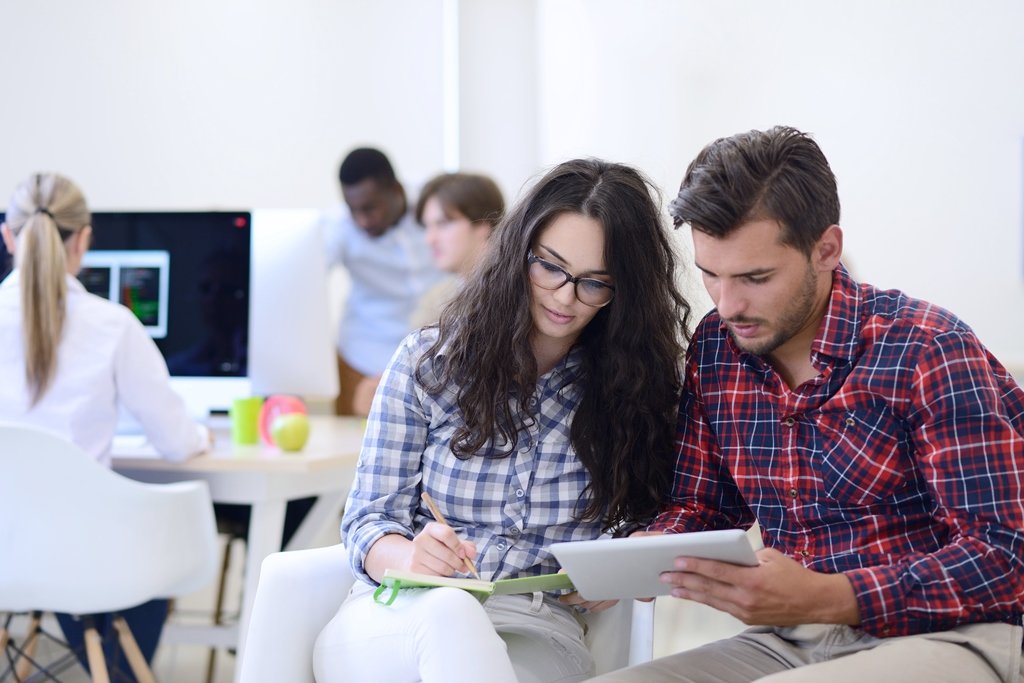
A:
(875, 439)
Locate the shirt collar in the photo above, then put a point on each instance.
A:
(563, 374)
(13, 279)
(572, 360)
(839, 332)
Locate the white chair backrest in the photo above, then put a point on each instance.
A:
(79, 538)
(300, 591)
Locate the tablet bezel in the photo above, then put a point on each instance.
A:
(617, 568)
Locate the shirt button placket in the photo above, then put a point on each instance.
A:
(790, 438)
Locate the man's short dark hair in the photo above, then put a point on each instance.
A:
(779, 174)
(366, 162)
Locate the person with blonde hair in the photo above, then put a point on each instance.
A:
(69, 358)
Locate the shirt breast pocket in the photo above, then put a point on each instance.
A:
(865, 456)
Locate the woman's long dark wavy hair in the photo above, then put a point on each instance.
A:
(623, 429)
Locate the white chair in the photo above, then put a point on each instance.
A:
(300, 591)
(76, 537)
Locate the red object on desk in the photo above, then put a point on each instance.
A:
(275, 406)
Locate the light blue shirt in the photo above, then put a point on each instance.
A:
(388, 276)
(513, 508)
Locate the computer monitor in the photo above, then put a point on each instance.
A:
(160, 264)
(292, 343)
(186, 276)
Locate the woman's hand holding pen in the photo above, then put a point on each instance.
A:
(438, 550)
(435, 550)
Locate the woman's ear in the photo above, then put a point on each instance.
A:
(8, 238)
(76, 247)
(82, 241)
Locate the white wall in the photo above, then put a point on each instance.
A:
(917, 104)
(498, 95)
(233, 103)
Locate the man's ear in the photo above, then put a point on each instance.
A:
(828, 250)
(8, 238)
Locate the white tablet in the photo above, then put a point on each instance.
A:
(614, 568)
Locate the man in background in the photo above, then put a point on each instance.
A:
(377, 240)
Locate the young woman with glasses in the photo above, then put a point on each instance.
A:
(540, 409)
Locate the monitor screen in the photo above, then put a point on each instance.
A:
(185, 275)
(137, 279)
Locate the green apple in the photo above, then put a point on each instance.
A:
(290, 431)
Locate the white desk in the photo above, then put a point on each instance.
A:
(266, 479)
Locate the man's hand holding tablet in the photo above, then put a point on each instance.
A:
(613, 568)
(779, 591)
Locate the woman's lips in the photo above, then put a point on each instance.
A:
(556, 317)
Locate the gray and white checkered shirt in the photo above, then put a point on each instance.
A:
(512, 508)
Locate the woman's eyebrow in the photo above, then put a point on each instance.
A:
(566, 262)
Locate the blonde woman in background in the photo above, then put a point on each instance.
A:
(68, 358)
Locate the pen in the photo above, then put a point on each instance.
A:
(440, 518)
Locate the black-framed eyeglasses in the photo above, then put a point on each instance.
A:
(547, 275)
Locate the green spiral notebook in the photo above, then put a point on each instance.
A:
(394, 580)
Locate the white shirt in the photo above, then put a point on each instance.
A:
(105, 356)
(389, 274)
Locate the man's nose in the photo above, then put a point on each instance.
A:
(730, 301)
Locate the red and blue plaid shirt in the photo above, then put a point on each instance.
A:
(901, 464)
